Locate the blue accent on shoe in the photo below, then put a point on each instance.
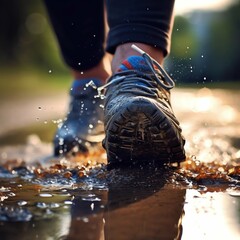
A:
(134, 62)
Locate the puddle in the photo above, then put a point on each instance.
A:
(79, 197)
(219, 211)
(76, 197)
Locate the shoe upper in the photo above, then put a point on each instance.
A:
(129, 85)
(84, 121)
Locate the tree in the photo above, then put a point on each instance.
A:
(26, 36)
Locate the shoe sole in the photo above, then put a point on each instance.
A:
(141, 134)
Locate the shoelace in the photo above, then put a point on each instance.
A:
(160, 75)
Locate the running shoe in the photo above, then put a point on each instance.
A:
(140, 126)
(83, 125)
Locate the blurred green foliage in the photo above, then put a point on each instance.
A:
(224, 44)
(205, 45)
(183, 39)
(26, 36)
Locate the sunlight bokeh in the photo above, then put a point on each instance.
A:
(185, 6)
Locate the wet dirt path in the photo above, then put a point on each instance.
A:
(77, 198)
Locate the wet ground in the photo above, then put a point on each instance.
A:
(77, 198)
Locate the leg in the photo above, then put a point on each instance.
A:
(79, 28)
(146, 22)
(139, 122)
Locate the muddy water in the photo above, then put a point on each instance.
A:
(77, 198)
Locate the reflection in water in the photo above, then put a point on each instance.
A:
(77, 198)
(213, 167)
(135, 204)
(218, 211)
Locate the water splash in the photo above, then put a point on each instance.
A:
(92, 84)
(15, 214)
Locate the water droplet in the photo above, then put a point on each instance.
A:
(45, 195)
(61, 141)
(86, 220)
(92, 84)
(15, 214)
(49, 71)
(91, 199)
(205, 78)
(54, 205)
(11, 194)
(90, 126)
(22, 203)
(201, 56)
(41, 205)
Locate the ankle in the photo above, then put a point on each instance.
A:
(102, 71)
(124, 51)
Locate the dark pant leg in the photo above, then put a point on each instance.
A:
(79, 27)
(144, 21)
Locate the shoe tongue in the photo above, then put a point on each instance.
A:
(134, 63)
(84, 86)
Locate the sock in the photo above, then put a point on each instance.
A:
(134, 62)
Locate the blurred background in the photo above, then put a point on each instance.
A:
(34, 81)
(205, 42)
